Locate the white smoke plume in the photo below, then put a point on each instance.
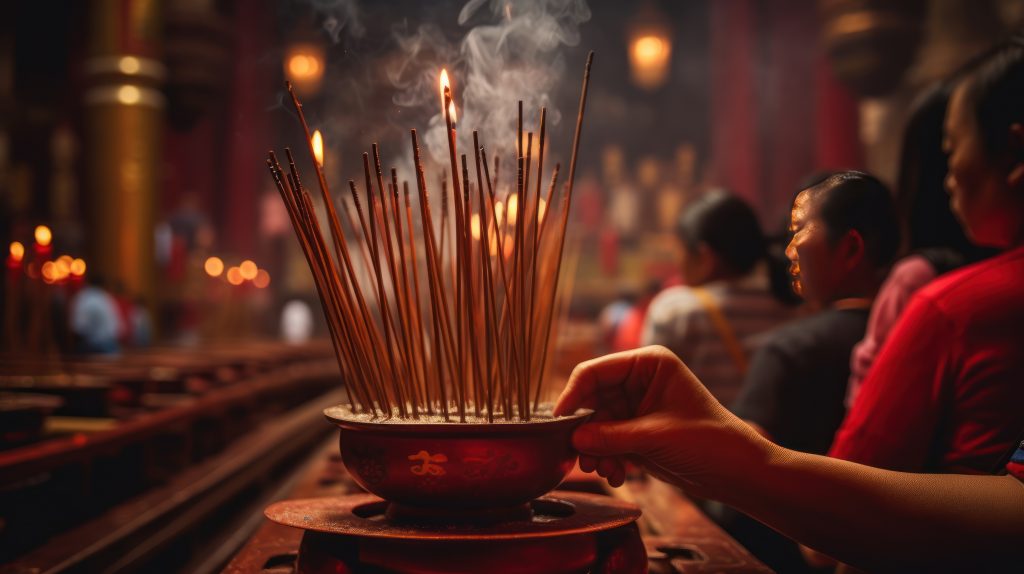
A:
(338, 15)
(510, 53)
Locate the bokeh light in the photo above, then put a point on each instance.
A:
(262, 279)
(248, 269)
(235, 276)
(17, 251)
(43, 235)
(213, 266)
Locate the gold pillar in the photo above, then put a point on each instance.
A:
(123, 129)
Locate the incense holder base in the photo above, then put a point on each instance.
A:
(564, 532)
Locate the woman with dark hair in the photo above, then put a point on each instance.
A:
(935, 243)
(945, 392)
(712, 321)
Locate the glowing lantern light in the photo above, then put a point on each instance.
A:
(43, 235)
(213, 266)
(235, 276)
(262, 279)
(129, 95)
(248, 269)
(318, 148)
(650, 47)
(78, 267)
(17, 251)
(129, 65)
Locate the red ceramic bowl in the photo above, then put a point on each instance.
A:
(457, 465)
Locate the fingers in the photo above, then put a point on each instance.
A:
(588, 463)
(611, 468)
(590, 376)
(614, 438)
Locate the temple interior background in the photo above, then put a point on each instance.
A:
(132, 142)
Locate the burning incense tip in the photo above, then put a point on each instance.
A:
(447, 96)
(445, 85)
(318, 148)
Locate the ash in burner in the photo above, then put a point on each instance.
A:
(543, 413)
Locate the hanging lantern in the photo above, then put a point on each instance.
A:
(650, 49)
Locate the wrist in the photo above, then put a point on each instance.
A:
(753, 464)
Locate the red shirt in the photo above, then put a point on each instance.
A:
(944, 393)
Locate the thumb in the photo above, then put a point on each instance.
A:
(613, 438)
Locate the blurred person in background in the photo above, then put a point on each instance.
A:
(845, 236)
(712, 321)
(95, 319)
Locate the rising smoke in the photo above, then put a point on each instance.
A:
(338, 15)
(510, 53)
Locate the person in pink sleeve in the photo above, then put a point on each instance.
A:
(935, 242)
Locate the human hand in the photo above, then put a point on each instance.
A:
(650, 409)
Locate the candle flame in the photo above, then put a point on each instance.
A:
(318, 148)
(17, 251)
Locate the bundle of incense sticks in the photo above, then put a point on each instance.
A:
(445, 330)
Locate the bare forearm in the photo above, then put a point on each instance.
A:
(882, 520)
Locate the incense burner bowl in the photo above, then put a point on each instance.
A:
(430, 468)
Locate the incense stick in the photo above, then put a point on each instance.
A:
(490, 284)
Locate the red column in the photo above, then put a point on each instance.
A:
(735, 145)
(837, 121)
(248, 129)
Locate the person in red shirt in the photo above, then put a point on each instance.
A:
(944, 392)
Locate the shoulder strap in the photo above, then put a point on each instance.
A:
(723, 328)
